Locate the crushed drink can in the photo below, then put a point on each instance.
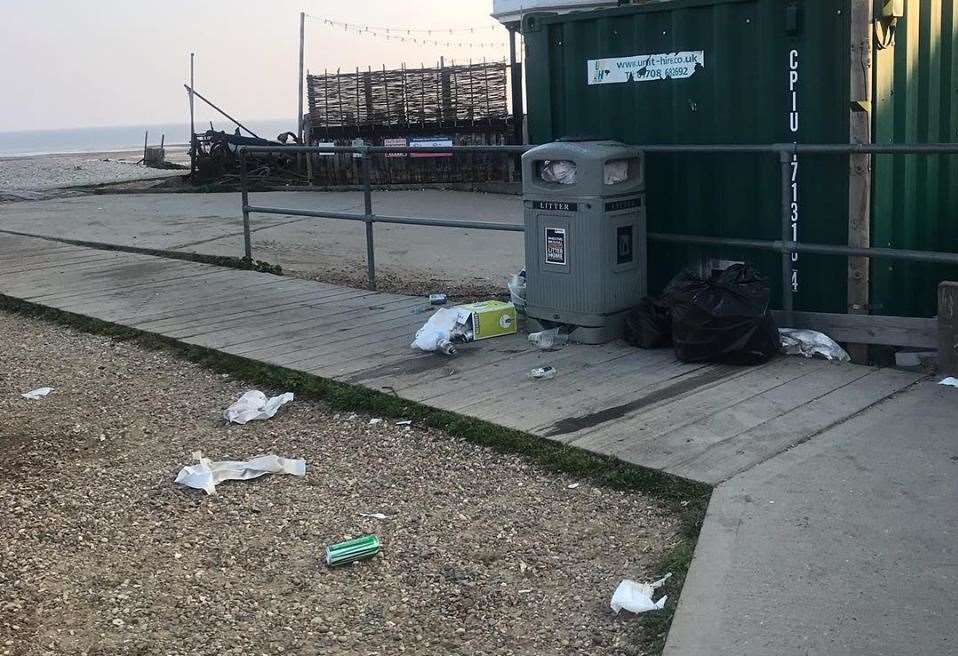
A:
(350, 551)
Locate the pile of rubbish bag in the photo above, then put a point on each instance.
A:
(723, 318)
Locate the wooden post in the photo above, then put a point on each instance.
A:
(192, 121)
(859, 166)
(948, 328)
(146, 141)
(515, 73)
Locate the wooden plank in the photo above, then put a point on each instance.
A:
(40, 269)
(868, 329)
(859, 166)
(217, 307)
(111, 282)
(273, 320)
(763, 402)
(650, 422)
(723, 460)
(124, 304)
(474, 384)
(256, 300)
(531, 404)
(348, 315)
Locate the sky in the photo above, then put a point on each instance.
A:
(91, 63)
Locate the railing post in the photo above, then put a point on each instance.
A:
(244, 190)
(785, 160)
(368, 218)
(948, 328)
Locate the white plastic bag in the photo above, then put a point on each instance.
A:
(562, 171)
(37, 394)
(438, 333)
(810, 343)
(254, 405)
(637, 597)
(206, 474)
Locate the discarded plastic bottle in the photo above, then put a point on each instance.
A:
(543, 373)
(548, 339)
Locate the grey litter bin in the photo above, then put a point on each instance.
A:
(585, 235)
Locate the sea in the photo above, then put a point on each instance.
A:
(122, 138)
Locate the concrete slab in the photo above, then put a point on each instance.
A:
(211, 224)
(846, 544)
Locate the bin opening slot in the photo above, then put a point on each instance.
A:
(617, 171)
(557, 171)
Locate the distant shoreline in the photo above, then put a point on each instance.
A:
(89, 153)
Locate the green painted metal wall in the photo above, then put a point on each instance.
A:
(741, 95)
(915, 199)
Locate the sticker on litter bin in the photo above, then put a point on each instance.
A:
(555, 246)
(623, 238)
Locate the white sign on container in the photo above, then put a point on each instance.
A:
(645, 68)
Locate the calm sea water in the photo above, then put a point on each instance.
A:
(119, 138)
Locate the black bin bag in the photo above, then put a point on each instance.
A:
(724, 318)
(649, 324)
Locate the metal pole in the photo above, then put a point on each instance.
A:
(192, 121)
(299, 115)
(785, 158)
(368, 218)
(201, 97)
(247, 239)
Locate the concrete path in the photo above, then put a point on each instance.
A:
(845, 545)
(211, 224)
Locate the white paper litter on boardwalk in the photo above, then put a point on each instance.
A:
(37, 394)
(254, 405)
(952, 382)
(206, 474)
(440, 329)
(637, 597)
(796, 341)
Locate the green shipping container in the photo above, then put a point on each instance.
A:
(746, 71)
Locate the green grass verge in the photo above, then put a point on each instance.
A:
(687, 499)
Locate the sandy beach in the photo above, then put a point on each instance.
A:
(21, 177)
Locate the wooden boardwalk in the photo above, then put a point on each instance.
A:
(703, 422)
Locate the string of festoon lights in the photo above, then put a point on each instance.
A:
(451, 37)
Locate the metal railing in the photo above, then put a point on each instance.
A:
(786, 245)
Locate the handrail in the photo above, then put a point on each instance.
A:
(785, 151)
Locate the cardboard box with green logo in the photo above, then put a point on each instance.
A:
(491, 318)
